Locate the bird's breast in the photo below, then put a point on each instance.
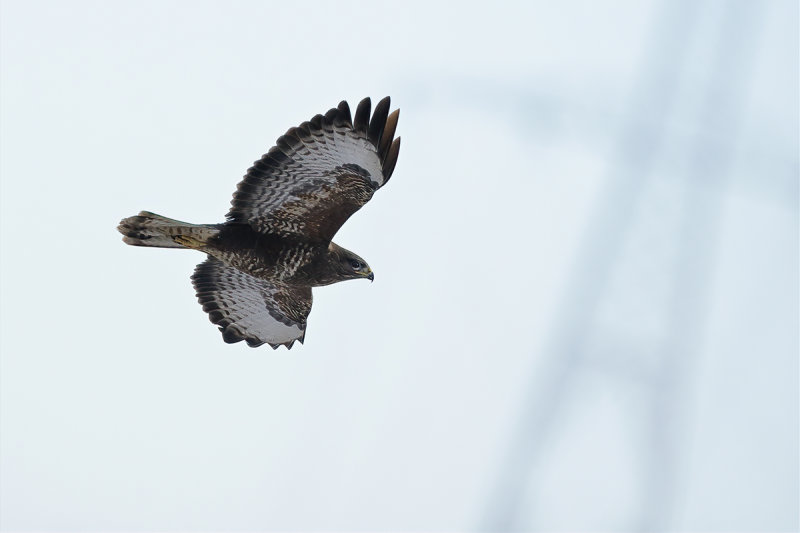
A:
(266, 256)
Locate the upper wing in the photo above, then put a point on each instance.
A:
(319, 173)
(251, 309)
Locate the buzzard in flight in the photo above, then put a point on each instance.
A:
(277, 241)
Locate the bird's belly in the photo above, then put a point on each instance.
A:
(281, 265)
(249, 263)
(264, 256)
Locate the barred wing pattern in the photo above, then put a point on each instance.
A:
(319, 173)
(251, 309)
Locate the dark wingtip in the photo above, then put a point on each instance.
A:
(252, 342)
(343, 118)
(361, 120)
(331, 115)
(317, 121)
(388, 134)
(230, 336)
(391, 160)
(376, 126)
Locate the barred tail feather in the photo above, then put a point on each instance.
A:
(149, 229)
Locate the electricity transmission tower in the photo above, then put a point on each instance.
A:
(635, 304)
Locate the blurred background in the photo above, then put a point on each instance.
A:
(585, 312)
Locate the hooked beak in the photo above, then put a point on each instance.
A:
(371, 276)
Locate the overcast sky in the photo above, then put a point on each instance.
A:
(585, 307)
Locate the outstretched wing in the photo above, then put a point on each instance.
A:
(251, 309)
(319, 173)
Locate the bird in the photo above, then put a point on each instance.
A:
(276, 243)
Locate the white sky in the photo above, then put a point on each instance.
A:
(122, 409)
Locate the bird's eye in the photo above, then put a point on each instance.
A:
(355, 264)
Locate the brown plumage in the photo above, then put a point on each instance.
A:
(277, 241)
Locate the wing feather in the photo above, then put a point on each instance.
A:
(361, 120)
(319, 173)
(251, 309)
(388, 134)
(343, 116)
(391, 159)
(378, 122)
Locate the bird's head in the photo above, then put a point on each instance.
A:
(349, 265)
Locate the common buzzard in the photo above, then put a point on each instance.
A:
(277, 241)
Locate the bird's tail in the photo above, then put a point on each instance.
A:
(149, 229)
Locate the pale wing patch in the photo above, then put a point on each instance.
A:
(251, 309)
(305, 168)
